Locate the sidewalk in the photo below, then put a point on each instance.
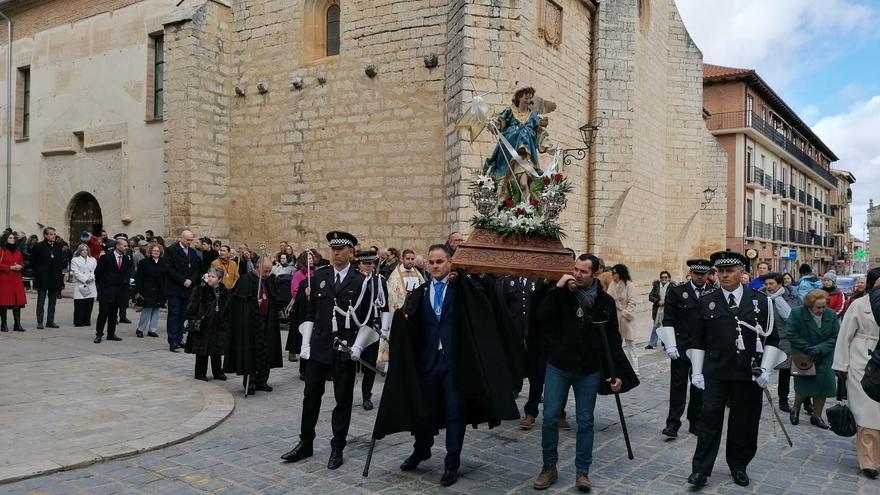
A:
(67, 402)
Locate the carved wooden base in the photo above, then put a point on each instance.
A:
(487, 251)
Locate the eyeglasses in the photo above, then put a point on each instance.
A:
(664, 277)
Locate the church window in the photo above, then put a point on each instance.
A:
(333, 30)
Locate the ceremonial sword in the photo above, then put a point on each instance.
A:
(342, 345)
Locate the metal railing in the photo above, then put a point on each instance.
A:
(742, 119)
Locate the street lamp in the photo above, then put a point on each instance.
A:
(708, 196)
(588, 134)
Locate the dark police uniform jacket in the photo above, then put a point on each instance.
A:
(515, 295)
(717, 335)
(682, 312)
(320, 310)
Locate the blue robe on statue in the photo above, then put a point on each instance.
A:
(520, 135)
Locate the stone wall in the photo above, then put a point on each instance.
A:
(873, 235)
(653, 156)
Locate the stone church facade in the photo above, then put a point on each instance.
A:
(281, 119)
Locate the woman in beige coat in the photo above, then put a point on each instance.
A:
(623, 291)
(858, 336)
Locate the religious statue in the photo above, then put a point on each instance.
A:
(522, 134)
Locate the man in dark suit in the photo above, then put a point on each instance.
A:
(728, 350)
(515, 296)
(681, 319)
(112, 275)
(47, 261)
(332, 312)
(182, 276)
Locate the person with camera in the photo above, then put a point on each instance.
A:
(207, 316)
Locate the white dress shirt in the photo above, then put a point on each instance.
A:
(737, 294)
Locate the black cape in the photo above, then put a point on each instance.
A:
(254, 342)
(480, 369)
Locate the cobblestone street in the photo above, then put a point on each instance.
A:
(241, 454)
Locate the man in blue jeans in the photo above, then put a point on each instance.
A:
(180, 279)
(575, 359)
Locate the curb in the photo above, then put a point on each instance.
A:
(219, 405)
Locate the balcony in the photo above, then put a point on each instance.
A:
(802, 196)
(809, 201)
(756, 176)
(744, 119)
(780, 188)
(818, 205)
(779, 233)
(759, 229)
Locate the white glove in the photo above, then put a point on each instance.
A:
(763, 379)
(698, 381)
(305, 351)
(356, 352)
(672, 352)
(386, 333)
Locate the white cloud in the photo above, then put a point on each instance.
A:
(809, 114)
(771, 36)
(852, 136)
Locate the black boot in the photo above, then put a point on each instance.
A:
(784, 406)
(16, 318)
(3, 327)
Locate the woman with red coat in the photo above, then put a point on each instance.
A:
(11, 283)
(836, 299)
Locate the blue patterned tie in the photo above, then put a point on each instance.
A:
(438, 297)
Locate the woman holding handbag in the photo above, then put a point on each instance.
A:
(858, 336)
(149, 280)
(623, 291)
(207, 317)
(82, 266)
(11, 284)
(812, 332)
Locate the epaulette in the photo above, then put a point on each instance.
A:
(322, 267)
(710, 288)
(682, 284)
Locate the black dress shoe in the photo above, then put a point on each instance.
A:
(783, 406)
(335, 459)
(794, 416)
(819, 422)
(251, 390)
(17, 328)
(202, 378)
(649, 347)
(264, 387)
(450, 476)
(302, 376)
(4, 328)
(368, 405)
(870, 473)
(740, 478)
(152, 334)
(221, 377)
(51, 324)
(413, 461)
(114, 337)
(669, 432)
(98, 339)
(139, 334)
(699, 480)
(298, 453)
(808, 406)
(124, 320)
(39, 326)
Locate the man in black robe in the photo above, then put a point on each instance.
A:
(448, 366)
(255, 335)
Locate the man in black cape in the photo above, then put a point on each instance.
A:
(255, 335)
(447, 366)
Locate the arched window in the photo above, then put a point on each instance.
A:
(333, 30)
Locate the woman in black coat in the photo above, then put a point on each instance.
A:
(208, 304)
(149, 280)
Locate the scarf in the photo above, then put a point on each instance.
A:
(781, 305)
(10, 247)
(587, 297)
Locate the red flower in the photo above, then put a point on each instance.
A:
(558, 177)
(520, 211)
(546, 181)
(508, 203)
(534, 202)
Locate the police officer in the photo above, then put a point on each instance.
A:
(729, 364)
(375, 294)
(333, 312)
(515, 295)
(681, 319)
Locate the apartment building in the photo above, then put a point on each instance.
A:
(781, 189)
(841, 224)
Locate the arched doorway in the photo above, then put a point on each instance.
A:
(85, 214)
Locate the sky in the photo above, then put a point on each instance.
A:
(821, 56)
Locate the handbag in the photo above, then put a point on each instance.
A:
(840, 417)
(85, 291)
(802, 365)
(193, 326)
(871, 380)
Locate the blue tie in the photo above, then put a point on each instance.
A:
(438, 297)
